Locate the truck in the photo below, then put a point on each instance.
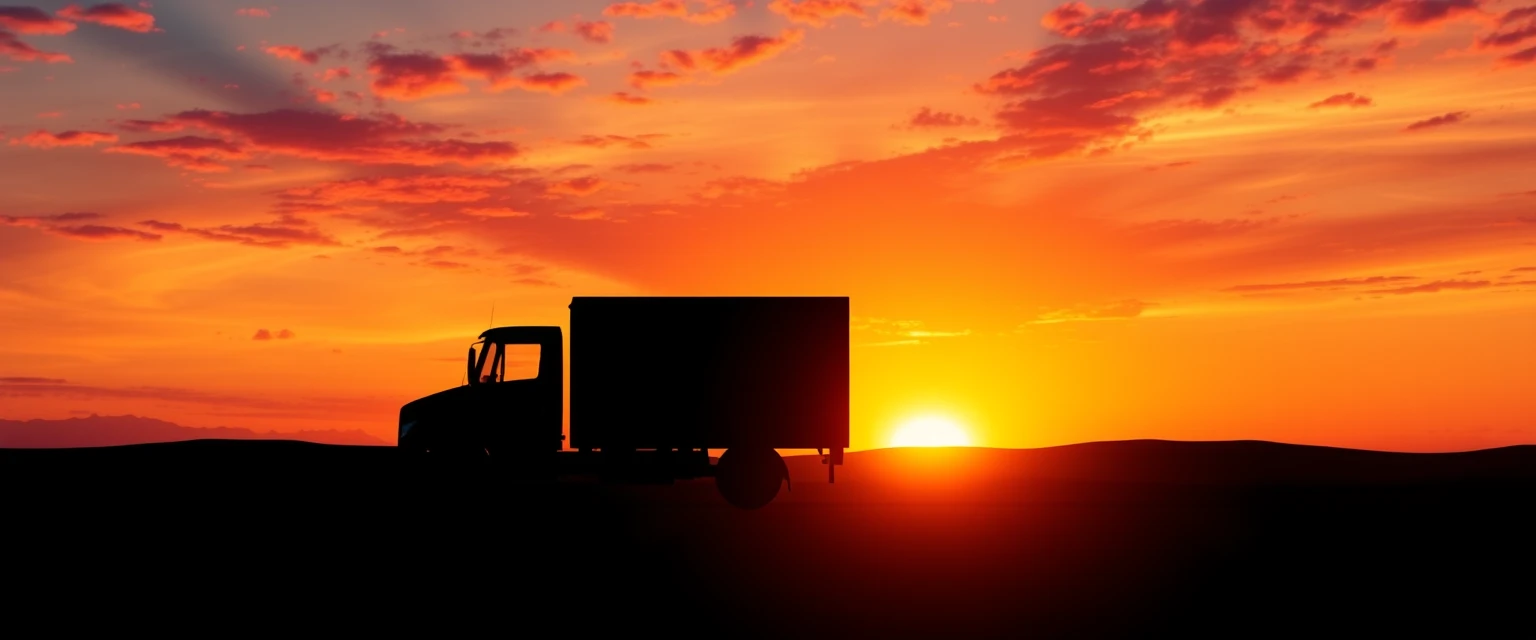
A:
(656, 384)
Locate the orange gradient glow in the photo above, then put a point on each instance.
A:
(930, 431)
(1301, 222)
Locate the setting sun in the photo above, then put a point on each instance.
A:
(930, 431)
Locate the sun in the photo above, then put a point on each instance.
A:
(930, 431)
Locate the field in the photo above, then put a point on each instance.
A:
(1122, 539)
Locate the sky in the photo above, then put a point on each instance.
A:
(1306, 222)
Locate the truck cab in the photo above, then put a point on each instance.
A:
(493, 413)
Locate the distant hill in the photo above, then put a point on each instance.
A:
(1223, 463)
(110, 431)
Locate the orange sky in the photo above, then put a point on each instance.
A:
(1308, 222)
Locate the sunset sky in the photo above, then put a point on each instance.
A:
(1308, 222)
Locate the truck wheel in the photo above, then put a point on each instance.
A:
(750, 477)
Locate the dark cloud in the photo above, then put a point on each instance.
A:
(1321, 284)
(1436, 286)
(280, 234)
(1439, 121)
(382, 138)
(928, 118)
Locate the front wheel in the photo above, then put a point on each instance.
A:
(749, 478)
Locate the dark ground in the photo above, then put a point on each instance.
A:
(1129, 539)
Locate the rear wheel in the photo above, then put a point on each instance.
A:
(750, 477)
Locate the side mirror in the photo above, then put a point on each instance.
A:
(473, 376)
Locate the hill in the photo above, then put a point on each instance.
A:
(1208, 463)
(110, 431)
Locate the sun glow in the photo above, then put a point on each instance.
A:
(930, 431)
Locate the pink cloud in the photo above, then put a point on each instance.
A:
(33, 21)
(253, 12)
(299, 54)
(712, 10)
(111, 14)
(915, 12)
(818, 13)
(13, 48)
(742, 52)
(44, 140)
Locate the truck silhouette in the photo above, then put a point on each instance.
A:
(655, 384)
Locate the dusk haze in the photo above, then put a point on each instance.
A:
(1159, 313)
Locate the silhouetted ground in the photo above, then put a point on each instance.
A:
(1128, 539)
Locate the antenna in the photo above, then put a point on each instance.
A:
(492, 323)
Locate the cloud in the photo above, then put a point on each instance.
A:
(1439, 121)
(584, 214)
(193, 153)
(647, 167)
(413, 189)
(1121, 310)
(31, 380)
(496, 212)
(253, 12)
(583, 186)
(605, 141)
(906, 332)
(1422, 13)
(628, 99)
(41, 139)
(1522, 57)
(914, 12)
(299, 54)
(1342, 100)
(1437, 286)
(58, 225)
(418, 74)
(41, 221)
(556, 83)
(598, 31)
(15, 49)
(100, 232)
(323, 135)
(742, 52)
(1320, 284)
(928, 118)
(681, 66)
(336, 73)
(1115, 69)
(111, 14)
(645, 79)
(283, 233)
(712, 10)
(1519, 269)
(819, 13)
(33, 21)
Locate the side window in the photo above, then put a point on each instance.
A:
(522, 362)
(490, 364)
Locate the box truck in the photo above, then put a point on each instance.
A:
(656, 384)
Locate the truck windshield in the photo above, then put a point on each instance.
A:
(506, 362)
